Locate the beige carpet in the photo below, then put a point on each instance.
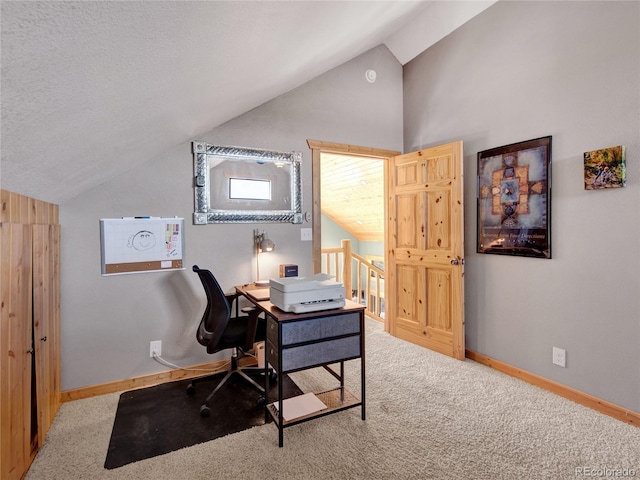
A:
(428, 417)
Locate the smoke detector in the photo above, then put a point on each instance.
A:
(370, 75)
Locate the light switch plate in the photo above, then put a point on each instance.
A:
(306, 234)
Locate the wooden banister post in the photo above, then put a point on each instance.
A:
(346, 268)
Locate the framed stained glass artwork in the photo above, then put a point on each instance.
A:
(514, 199)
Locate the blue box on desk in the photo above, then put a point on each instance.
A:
(288, 270)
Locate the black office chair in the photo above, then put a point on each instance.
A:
(219, 331)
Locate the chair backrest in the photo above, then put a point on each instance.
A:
(217, 313)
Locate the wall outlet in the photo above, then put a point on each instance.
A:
(306, 234)
(559, 357)
(155, 348)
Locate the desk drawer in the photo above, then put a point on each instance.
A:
(315, 353)
(309, 330)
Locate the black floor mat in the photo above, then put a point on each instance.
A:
(157, 420)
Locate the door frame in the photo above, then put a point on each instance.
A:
(319, 147)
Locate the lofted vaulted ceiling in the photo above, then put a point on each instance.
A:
(352, 194)
(90, 89)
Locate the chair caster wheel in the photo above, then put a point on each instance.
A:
(261, 401)
(205, 411)
(273, 376)
(191, 389)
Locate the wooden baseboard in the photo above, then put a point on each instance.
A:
(602, 406)
(150, 380)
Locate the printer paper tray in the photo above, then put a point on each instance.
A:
(316, 306)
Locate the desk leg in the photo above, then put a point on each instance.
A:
(280, 382)
(342, 382)
(266, 387)
(362, 374)
(280, 413)
(362, 389)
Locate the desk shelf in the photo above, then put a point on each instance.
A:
(336, 399)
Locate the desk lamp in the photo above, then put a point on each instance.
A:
(263, 244)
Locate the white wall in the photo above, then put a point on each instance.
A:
(522, 70)
(108, 322)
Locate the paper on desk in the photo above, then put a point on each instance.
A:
(299, 406)
(260, 293)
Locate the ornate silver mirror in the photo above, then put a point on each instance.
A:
(246, 185)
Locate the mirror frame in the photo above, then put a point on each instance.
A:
(204, 155)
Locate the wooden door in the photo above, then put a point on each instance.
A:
(425, 297)
(16, 354)
(46, 323)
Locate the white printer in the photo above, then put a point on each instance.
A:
(306, 294)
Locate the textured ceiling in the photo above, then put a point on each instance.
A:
(89, 89)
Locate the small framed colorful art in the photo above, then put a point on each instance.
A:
(605, 168)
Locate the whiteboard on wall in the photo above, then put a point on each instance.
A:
(141, 244)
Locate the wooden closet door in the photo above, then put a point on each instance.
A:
(15, 349)
(46, 323)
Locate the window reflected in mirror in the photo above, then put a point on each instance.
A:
(246, 189)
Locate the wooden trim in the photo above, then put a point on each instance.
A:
(316, 212)
(387, 177)
(602, 406)
(151, 379)
(330, 147)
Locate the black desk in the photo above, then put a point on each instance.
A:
(307, 340)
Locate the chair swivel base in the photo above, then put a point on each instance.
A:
(205, 410)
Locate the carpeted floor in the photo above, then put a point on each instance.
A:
(428, 417)
(157, 420)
